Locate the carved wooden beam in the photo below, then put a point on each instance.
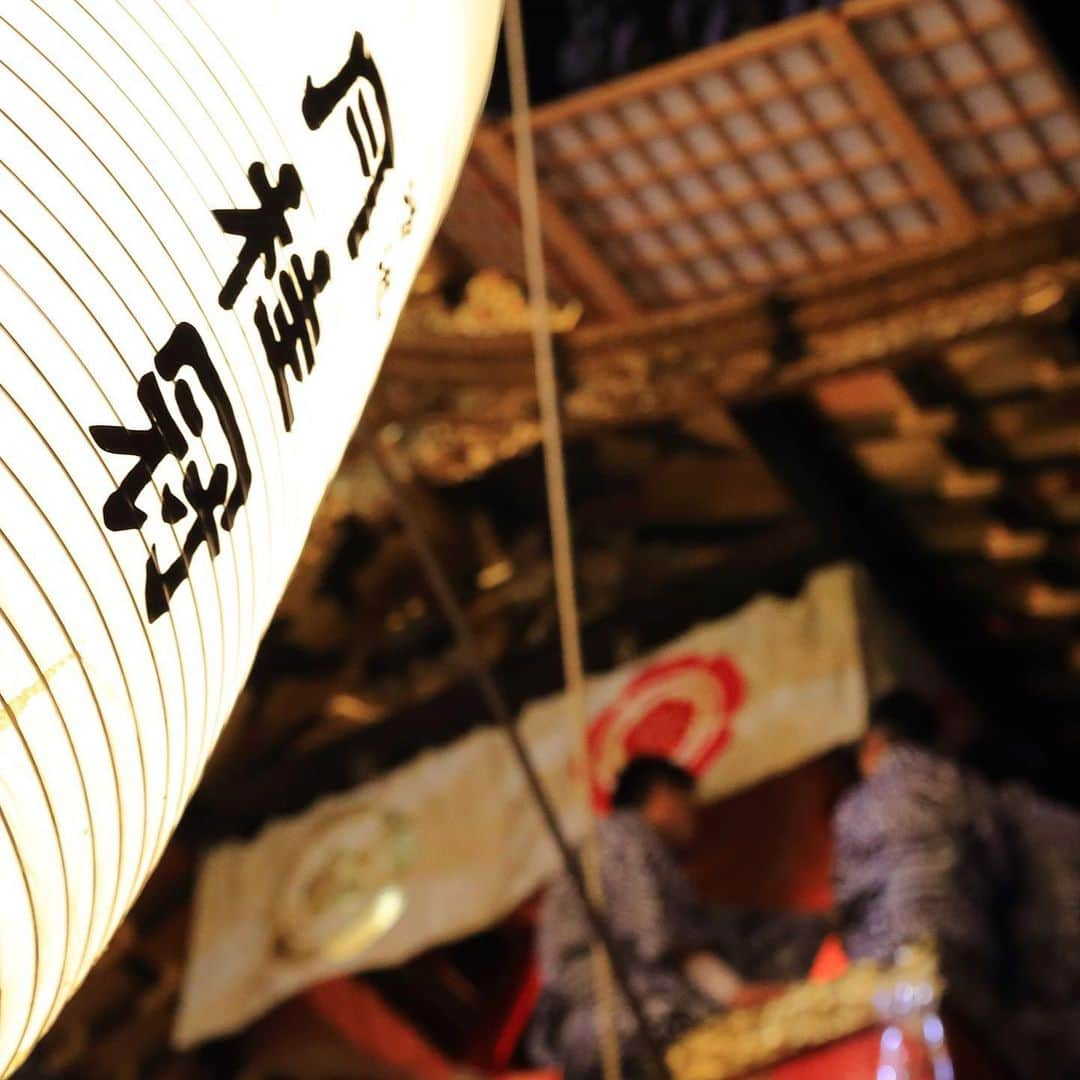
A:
(467, 402)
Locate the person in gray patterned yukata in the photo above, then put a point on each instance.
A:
(671, 943)
(919, 853)
(928, 850)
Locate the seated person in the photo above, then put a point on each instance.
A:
(664, 932)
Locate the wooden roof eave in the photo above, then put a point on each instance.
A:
(849, 318)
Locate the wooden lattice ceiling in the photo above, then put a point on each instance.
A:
(807, 145)
(982, 92)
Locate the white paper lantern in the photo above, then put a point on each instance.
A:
(210, 214)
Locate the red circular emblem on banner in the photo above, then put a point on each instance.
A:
(683, 709)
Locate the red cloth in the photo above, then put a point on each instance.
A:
(856, 1058)
(831, 960)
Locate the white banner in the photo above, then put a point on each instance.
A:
(211, 212)
(451, 842)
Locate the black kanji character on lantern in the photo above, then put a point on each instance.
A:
(320, 102)
(261, 227)
(164, 437)
(295, 326)
(410, 214)
(382, 287)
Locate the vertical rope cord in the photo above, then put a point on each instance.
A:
(558, 508)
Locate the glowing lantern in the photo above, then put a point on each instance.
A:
(210, 215)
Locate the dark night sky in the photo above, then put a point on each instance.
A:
(578, 43)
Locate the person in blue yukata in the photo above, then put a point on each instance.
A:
(683, 959)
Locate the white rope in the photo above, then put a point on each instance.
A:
(558, 507)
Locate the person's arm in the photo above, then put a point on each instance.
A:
(714, 978)
(658, 907)
(691, 926)
(694, 933)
